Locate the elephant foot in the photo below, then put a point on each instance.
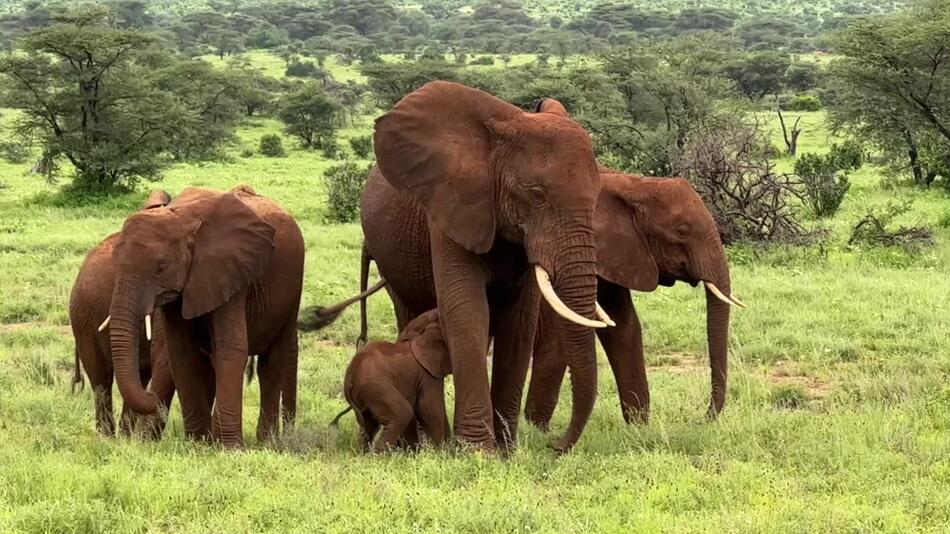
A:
(539, 418)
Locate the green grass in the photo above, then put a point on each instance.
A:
(838, 416)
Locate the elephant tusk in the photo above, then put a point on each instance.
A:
(148, 326)
(104, 323)
(735, 299)
(602, 315)
(544, 283)
(719, 295)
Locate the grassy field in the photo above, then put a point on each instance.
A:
(838, 416)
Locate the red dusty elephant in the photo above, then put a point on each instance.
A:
(226, 270)
(649, 232)
(89, 304)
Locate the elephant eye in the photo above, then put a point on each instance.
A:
(162, 265)
(537, 194)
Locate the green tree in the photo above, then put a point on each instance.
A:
(389, 82)
(311, 115)
(110, 101)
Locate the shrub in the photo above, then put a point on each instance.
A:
(332, 150)
(272, 146)
(788, 397)
(247, 152)
(804, 103)
(482, 60)
(362, 146)
(873, 229)
(344, 183)
(14, 152)
(825, 177)
(303, 69)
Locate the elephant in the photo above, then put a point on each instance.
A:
(394, 388)
(226, 271)
(479, 209)
(89, 303)
(649, 232)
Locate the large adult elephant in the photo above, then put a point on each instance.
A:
(226, 269)
(649, 232)
(89, 303)
(481, 208)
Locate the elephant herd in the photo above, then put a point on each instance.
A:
(475, 213)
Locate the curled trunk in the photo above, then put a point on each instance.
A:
(124, 331)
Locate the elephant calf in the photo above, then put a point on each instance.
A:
(399, 386)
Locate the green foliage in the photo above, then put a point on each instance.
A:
(272, 146)
(311, 115)
(825, 183)
(803, 103)
(876, 228)
(758, 74)
(112, 102)
(389, 82)
(304, 69)
(344, 184)
(362, 146)
(14, 151)
(788, 397)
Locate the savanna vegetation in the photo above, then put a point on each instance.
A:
(818, 134)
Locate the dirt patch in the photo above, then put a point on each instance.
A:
(19, 327)
(789, 374)
(679, 363)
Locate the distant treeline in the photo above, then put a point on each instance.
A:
(362, 27)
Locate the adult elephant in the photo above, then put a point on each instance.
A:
(480, 208)
(226, 269)
(649, 232)
(89, 303)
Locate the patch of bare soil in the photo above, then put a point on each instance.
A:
(679, 363)
(785, 373)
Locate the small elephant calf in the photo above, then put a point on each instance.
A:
(396, 387)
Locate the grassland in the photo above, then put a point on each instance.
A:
(838, 417)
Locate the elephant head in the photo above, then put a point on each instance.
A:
(200, 250)
(656, 232)
(424, 335)
(484, 170)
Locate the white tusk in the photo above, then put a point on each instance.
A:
(602, 315)
(148, 326)
(105, 323)
(738, 302)
(544, 283)
(718, 294)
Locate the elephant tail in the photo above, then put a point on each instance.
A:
(336, 420)
(77, 374)
(318, 317)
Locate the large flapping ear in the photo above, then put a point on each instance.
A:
(424, 334)
(157, 199)
(436, 145)
(232, 247)
(623, 253)
(550, 105)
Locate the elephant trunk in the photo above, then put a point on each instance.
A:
(125, 326)
(717, 334)
(576, 285)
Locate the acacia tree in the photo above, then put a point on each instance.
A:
(106, 100)
(311, 115)
(893, 84)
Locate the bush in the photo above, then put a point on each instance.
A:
(825, 177)
(247, 152)
(344, 183)
(482, 60)
(332, 150)
(303, 69)
(272, 146)
(873, 229)
(804, 103)
(14, 152)
(362, 146)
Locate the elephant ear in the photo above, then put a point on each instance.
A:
(232, 246)
(623, 253)
(550, 105)
(436, 145)
(157, 199)
(427, 344)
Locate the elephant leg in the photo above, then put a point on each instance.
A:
(514, 336)
(393, 413)
(161, 383)
(192, 374)
(369, 426)
(403, 314)
(548, 366)
(410, 438)
(431, 413)
(624, 347)
(229, 346)
(365, 258)
(100, 374)
(460, 282)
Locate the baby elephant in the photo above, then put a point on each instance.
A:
(398, 386)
